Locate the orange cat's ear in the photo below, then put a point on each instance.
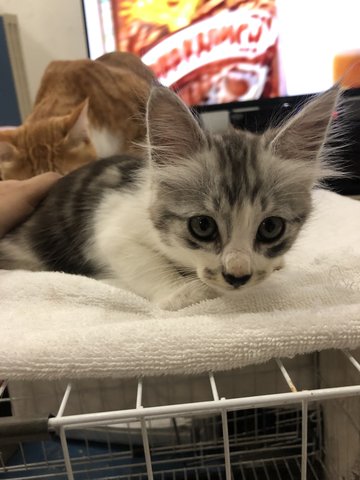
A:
(8, 158)
(78, 124)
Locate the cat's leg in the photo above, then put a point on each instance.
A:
(175, 298)
(146, 272)
(15, 254)
(186, 295)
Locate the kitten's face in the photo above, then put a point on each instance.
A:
(58, 144)
(230, 214)
(228, 207)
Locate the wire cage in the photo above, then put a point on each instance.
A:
(287, 419)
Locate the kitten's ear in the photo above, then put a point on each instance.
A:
(8, 158)
(78, 124)
(172, 131)
(302, 137)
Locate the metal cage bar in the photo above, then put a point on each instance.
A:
(352, 360)
(304, 436)
(144, 432)
(259, 401)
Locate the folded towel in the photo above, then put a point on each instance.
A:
(55, 325)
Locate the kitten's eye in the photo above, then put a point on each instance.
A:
(270, 229)
(203, 228)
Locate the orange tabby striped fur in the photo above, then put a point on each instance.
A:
(83, 108)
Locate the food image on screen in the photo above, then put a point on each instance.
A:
(209, 51)
(216, 52)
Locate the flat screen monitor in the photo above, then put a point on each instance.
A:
(215, 52)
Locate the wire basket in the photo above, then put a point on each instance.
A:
(168, 428)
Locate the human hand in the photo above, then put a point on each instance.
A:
(18, 198)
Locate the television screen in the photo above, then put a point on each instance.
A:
(214, 51)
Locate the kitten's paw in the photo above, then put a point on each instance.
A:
(280, 265)
(170, 304)
(174, 302)
(185, 298)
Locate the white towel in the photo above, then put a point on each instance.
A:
(56, 326)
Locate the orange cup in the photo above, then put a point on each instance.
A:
(346, 69)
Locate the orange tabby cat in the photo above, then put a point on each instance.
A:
(84, 110)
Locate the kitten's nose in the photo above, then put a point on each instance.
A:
(236, 282)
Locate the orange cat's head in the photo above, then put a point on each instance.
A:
(58, 144)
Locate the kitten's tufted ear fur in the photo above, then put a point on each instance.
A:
(78, 124)
(8, 158)
(172, 131)
(303, 136)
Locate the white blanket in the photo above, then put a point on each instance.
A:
(54, 325)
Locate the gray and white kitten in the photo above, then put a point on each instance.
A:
(204, 215)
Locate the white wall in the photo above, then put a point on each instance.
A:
(50, 30)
